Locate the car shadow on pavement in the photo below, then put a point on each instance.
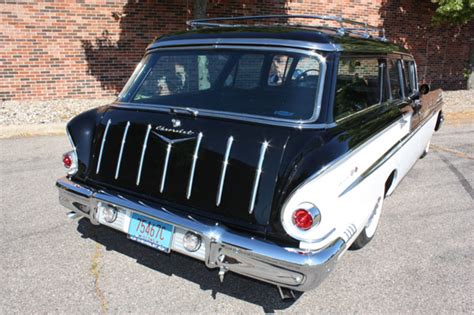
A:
(243, 288)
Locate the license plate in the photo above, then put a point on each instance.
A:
(151, 232)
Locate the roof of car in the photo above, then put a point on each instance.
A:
(290, 36)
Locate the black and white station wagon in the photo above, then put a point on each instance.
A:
(262, 149)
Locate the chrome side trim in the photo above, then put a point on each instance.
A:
(139, 175)
(165, 168)
(385, 157)
(104, 137)
(230, 140)
(122, 145)
(258, 172)
(319, 91)
(193, 166)
(247, 41)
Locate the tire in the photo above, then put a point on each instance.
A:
(370, 228)
(427, 149)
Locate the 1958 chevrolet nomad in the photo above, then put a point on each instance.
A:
(265, 150)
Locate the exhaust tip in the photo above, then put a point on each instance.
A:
(73, 215)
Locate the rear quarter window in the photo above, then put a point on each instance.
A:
(360, 85)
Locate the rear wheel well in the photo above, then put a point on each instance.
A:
(389, 183)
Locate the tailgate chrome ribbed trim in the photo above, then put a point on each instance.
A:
(258, 172)
(102, 145)
(139, 175)
(165, 168)
(124, 138)
(193, 166)
(224, 170)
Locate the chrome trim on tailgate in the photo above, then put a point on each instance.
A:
(224, 248)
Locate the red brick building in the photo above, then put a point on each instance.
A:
(87, 48)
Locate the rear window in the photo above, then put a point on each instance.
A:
(282, 85)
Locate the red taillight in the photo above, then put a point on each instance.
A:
(67, 161)
(70, 162)
(303, 219)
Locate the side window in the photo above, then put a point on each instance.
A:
(359, 85)
(409, 71)
(394, 76)
(246, 74)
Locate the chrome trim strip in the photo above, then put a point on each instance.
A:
(119, 161)
(139, 175)
(320, 89)
(204, 113)
(193, 166)
(165, 167)
(247, 41)
(385, 157)
(258, 172)
(102, 145)
(224, 170)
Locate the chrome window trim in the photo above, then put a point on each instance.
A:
(318, 100)
(234, 116)
(247, 41)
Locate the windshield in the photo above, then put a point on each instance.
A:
(276, 84)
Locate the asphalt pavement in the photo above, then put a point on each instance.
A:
(421, 260)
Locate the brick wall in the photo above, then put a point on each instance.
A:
(88, 48)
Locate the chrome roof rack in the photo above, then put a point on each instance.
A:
(361, 29)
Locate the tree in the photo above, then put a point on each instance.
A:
(454, 12)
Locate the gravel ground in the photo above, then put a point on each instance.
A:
(458, 101)
(45, 112)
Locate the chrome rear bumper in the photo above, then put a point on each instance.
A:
(223, 248)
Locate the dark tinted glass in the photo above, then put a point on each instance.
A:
(264, 83)
(409, 73)
(359, 85)
(394, 77)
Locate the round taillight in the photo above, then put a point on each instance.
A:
(303, 219)
(67, 161)
(70, 162)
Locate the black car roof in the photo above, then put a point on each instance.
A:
(314, 37)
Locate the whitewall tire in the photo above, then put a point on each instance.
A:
(368, 232)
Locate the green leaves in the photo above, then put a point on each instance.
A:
(453, 12)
